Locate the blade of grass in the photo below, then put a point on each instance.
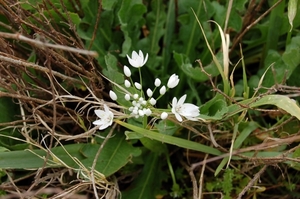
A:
(171, 140)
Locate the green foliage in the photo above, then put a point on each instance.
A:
(148, 182)
(114, 155)
(237, 96)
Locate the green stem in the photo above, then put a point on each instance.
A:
(171, 169)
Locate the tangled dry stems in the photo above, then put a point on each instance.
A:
(45, 69)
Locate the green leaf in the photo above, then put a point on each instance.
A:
(247, 128)
(155, 21)
(189, 33)
(195, 73)
(33, 159)
(112, 71)
(170, 139)
(115, 154)
(214, 109)
(168, 36)
(292, 11)
(108, 4)
(154, 145)
(167, 127)
(280, 101)
(131, 19)
(147, 181)
(291, 56)
(9, 111)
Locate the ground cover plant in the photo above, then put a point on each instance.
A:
(149, 99)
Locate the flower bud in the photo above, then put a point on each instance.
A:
(138, 86)
(113, 95)
(173, 81)
(162, 90)
(152, 101)
(127, 83)
(163, 115)
(127, 71)
(149, 92)
(157, 82)
(127, 97)
(135, 96)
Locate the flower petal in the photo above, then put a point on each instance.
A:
(178, 117)
(99, 113)
(174, 102)
(181, 100)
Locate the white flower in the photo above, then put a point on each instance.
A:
(157, 82)
(149, 92)
(113, 95)
(147, 112)
(163, 115)
(127, 71)
(141, 113)
(173, 81)
(106, 118)
(127, 83)
(138, 85)
(162, 90)
(188, 110)
(137, 60)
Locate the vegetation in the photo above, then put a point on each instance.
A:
(61, 60)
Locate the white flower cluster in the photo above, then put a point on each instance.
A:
(142, 106)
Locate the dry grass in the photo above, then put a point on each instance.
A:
(46, 71)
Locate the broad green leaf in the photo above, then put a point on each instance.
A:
(34, 159)
(100, 40)
(108, 4)
(167, 127)
(280, 101)
(291, 56)
(154, 145)
(155, 21)
(131, 19)
(171, 139)
(147, 181)
(214, 109)
(116, 153)
(194, 72)
(112, 71)
(189, 32)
